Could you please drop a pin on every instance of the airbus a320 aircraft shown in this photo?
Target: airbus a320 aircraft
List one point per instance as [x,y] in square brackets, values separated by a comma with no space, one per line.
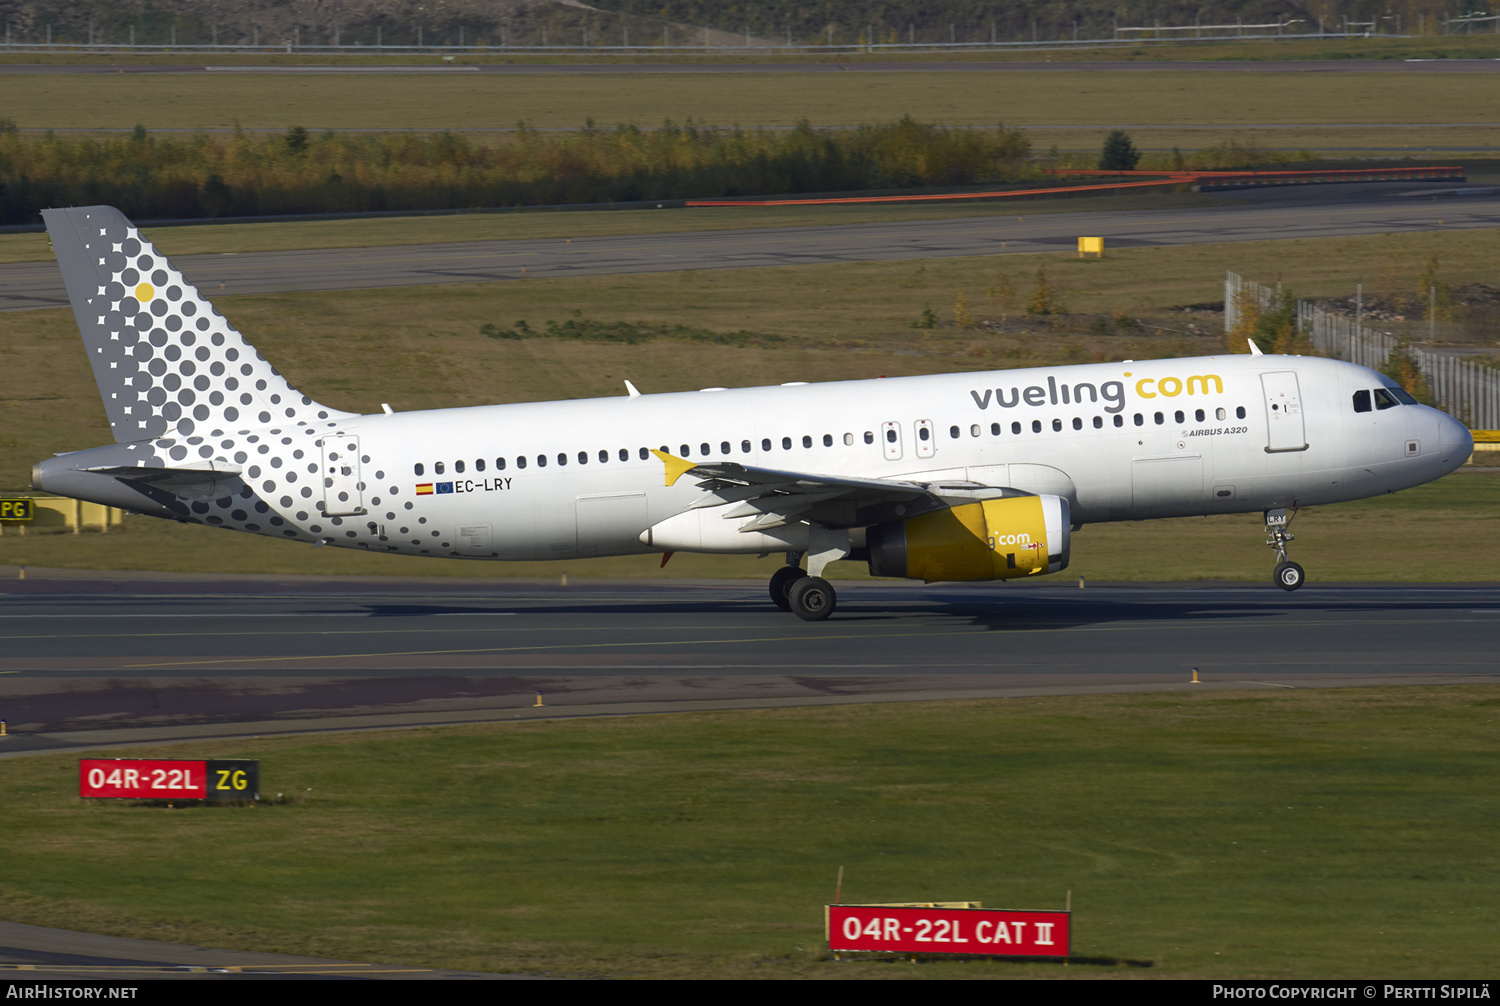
[954,477]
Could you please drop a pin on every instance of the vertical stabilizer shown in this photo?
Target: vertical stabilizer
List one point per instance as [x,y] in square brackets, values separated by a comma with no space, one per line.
[165,360]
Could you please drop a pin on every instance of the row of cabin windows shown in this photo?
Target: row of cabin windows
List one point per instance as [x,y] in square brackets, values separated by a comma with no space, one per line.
[727,447]
[1159,419]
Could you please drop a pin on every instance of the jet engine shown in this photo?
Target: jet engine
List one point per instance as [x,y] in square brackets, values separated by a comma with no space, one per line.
[996,539]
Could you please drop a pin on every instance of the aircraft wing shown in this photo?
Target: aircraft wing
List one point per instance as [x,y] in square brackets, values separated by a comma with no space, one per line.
[771,497]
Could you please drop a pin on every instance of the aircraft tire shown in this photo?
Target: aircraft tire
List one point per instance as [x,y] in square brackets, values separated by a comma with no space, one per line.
[812,598]
[781,582]
[1288,575]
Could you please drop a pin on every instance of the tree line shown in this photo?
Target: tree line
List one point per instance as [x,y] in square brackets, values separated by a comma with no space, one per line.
[242,174]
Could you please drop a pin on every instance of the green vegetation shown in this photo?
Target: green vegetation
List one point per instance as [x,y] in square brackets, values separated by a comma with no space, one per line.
[1119,153]
[1232,834]
[243,175]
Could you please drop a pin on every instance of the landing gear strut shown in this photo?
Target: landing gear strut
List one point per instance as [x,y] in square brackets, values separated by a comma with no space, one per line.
[1287,575]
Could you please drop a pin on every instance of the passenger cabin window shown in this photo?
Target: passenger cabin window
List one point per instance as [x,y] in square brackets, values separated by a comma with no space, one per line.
[417,468]
[744,447]
[828,440]
[583,457]
[1015,428]
[479,464]
[807,441]
[624,454]
[604,457]
[1177,418]
[541,461]
[1160,419]
[1099,422]
[1119,420]
[1198,415]
[869,437]
[1036,426]
[724,447]
[952,432]
[645,453]
[437,468]
[890,436]
[458,466]
[499,464]
[994,429]
[521,461]
[1239,413]
[786,443]
[765,445]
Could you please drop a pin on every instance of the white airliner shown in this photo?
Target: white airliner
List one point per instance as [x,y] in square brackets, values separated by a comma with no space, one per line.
[955,477]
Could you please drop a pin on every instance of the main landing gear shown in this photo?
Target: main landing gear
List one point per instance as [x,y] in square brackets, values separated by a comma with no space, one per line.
[810,598]
[1287,575]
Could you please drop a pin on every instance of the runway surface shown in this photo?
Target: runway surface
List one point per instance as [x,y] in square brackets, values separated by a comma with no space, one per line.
[1306,212]
[88,662]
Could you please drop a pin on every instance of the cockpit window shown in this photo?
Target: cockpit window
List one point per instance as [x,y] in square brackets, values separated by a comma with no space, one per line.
[1403,396]
[1385,400]
[1361,401]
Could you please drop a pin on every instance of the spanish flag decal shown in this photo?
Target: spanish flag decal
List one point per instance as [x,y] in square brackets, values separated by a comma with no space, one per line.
[425,489]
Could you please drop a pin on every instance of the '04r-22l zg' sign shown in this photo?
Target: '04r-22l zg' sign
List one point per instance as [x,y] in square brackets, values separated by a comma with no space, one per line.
[168,779]
[973,931]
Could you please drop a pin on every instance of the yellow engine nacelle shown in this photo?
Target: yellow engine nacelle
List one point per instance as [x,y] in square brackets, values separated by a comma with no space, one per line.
[989,540]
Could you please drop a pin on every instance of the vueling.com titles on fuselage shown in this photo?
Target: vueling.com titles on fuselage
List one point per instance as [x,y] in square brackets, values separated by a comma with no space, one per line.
[1112,392]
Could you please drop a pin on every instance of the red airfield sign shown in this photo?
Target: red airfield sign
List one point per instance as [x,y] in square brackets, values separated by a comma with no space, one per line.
[976,931]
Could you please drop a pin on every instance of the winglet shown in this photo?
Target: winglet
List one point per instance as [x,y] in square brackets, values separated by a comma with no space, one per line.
[675,466]
[630,389]
[1254,349]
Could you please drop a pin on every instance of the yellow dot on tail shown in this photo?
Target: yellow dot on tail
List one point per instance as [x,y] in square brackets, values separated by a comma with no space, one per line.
[144,293]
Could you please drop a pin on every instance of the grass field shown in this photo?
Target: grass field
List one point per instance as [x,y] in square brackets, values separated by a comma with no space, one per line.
[1099,99]
[1213,834]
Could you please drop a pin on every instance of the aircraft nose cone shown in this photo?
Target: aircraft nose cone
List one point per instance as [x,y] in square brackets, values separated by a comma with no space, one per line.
[1457,441]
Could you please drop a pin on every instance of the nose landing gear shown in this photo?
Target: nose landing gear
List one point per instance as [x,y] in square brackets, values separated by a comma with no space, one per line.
[1287,575]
